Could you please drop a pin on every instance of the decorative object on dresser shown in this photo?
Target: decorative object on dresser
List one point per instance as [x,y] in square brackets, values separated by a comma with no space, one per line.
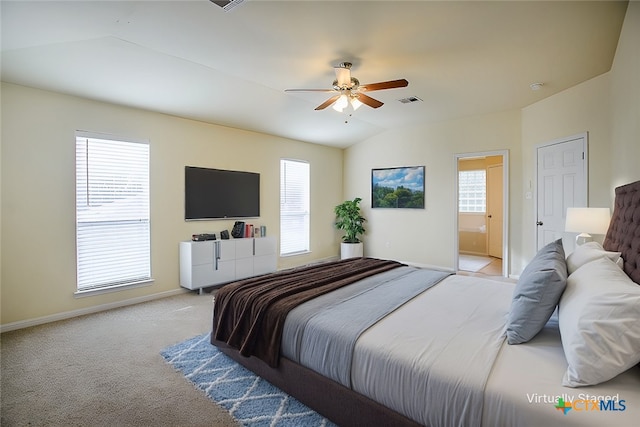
[202,237]
[215,262]
[238,229]
[350,220]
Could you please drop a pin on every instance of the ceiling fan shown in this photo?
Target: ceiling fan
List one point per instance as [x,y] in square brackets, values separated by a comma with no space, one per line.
[349,90]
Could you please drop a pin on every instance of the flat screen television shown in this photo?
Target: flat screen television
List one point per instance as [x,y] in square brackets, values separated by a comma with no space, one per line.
[218,194]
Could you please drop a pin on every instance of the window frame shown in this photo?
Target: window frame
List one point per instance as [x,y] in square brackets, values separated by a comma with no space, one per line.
[302,214]
[472,194]
[133,216]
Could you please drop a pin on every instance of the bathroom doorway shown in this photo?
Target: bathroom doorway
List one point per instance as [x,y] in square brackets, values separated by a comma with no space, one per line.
[481,215]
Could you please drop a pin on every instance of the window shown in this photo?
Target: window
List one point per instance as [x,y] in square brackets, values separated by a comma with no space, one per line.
[472,191]
[112,212]
[294,207]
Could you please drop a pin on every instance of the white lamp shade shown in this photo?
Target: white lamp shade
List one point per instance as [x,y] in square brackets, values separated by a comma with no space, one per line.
[587,220]
[341,103]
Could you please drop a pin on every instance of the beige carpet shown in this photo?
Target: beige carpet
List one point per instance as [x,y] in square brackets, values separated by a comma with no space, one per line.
[105,369]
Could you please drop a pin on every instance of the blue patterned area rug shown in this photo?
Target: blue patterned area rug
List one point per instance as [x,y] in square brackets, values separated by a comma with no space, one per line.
[252,401]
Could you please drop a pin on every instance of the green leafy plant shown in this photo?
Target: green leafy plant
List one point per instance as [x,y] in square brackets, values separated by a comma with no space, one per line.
[350,220]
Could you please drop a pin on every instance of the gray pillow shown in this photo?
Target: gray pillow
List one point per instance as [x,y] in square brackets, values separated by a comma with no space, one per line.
[537,293]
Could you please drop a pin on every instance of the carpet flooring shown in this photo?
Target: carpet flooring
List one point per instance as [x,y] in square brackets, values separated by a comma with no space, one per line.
[105,369]
[252,401]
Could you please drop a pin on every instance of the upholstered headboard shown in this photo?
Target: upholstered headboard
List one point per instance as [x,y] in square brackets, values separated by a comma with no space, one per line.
[624,231]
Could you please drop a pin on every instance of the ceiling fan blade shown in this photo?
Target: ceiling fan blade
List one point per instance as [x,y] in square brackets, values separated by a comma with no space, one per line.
[373,103]
[391,84]
[310,90]
[328,102]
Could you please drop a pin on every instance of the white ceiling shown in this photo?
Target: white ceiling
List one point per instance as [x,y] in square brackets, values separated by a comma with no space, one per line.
[193,59]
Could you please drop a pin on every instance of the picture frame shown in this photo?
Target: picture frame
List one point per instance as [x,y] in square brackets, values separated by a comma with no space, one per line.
[398,187]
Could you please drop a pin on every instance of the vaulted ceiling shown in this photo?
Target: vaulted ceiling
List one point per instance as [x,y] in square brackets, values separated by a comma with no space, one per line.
[193,59]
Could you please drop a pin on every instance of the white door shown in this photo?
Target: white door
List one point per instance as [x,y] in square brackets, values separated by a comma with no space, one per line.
[494,210]
[561,184]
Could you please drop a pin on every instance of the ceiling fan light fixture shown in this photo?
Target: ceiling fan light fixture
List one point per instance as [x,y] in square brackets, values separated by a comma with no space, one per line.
[341,103]
[343,76]
[347,90]
[355,103]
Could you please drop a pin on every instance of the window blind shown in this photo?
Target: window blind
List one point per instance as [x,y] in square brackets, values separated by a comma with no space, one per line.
[294,207]
[112,212]
[472,191]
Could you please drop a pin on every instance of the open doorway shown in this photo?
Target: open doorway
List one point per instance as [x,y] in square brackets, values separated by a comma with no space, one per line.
[481,213]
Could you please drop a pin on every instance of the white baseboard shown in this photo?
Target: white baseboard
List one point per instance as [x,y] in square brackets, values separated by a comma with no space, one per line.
[89,310]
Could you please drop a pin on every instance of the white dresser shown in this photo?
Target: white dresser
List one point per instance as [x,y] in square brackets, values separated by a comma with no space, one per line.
[214,262]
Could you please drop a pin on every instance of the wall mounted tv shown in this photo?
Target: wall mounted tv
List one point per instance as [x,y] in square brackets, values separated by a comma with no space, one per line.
[218,194]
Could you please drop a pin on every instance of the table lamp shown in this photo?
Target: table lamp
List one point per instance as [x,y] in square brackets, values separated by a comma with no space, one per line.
[585,221]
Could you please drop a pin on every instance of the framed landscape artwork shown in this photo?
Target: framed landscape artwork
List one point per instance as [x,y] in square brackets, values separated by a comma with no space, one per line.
[401,187]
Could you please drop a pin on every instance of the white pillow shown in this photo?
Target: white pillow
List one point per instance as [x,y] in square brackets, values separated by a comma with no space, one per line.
[599,318]
[587,253]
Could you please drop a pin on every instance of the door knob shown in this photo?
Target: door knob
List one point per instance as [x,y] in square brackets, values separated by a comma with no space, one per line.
[489,216]
[539,223]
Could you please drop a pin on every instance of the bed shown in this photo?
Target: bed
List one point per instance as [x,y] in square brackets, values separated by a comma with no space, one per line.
[374,342]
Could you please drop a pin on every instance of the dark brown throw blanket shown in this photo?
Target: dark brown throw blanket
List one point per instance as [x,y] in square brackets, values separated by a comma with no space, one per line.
[249,315]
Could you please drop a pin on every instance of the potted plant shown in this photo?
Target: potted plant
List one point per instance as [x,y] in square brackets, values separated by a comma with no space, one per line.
[350,220]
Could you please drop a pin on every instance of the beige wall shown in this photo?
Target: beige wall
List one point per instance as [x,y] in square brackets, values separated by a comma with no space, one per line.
[37,204]
[472,242]
[625,101]
[427,236]
[478,163]
[38,199]
[608,108]
[583,108]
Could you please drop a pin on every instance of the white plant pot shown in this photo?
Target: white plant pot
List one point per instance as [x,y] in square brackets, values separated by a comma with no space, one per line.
[351,250]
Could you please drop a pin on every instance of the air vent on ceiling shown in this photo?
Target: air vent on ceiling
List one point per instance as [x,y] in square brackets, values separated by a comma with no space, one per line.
[409,99]
[227,5]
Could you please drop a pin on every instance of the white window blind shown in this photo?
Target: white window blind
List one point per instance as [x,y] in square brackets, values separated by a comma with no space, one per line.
[112,212]
[472,190]
[294,207]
